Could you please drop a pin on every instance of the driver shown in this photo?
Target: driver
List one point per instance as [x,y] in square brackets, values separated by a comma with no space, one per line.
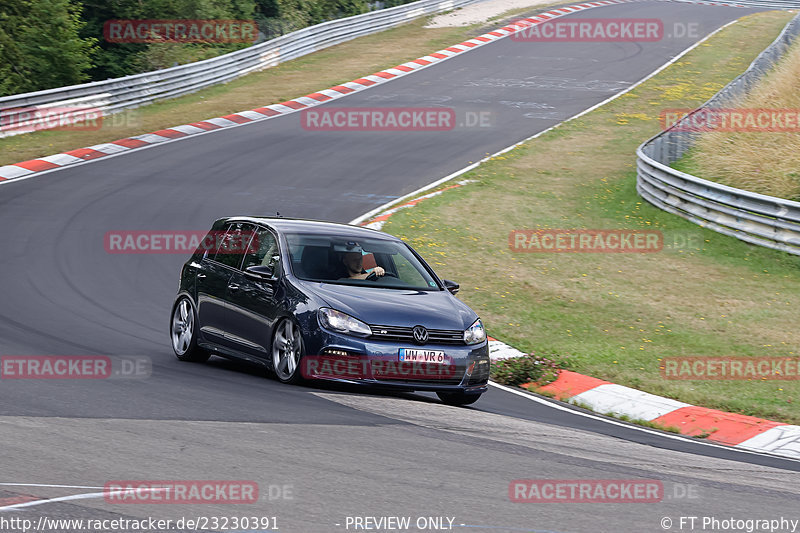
[353,261]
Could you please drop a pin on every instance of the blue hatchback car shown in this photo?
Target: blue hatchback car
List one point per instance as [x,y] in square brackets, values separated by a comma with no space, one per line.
[323,301]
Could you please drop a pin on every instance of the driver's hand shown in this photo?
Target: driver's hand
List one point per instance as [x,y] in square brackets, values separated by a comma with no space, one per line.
[379,271]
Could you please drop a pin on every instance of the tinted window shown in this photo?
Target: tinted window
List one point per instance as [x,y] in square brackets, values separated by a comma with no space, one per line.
[263,251]
[232,246]
[407,272]
[322,258]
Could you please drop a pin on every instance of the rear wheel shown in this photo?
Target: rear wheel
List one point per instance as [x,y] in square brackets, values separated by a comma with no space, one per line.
[287,351]
[184,333]
[457,398]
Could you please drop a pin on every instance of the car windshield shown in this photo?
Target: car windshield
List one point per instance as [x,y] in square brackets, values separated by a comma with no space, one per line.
[348,260]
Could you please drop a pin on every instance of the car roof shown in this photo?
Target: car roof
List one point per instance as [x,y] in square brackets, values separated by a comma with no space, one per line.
[320,227]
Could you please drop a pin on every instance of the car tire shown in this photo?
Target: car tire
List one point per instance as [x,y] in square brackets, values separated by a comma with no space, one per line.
[287,352]
[457,398]
[183,332]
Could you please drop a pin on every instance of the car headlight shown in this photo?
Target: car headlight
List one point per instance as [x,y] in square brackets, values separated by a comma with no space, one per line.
[338,321]
[475,333]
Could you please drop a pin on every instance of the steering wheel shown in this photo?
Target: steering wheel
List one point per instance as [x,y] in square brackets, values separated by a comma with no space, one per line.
[373,276]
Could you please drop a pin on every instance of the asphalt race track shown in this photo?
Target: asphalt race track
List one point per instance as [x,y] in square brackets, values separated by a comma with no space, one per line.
[322,454]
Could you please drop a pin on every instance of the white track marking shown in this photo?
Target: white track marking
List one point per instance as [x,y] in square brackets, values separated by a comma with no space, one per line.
[47,486]
[53,500]
[630,426]
[85,496]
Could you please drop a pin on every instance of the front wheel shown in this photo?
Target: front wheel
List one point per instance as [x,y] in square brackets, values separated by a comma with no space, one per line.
[287,351]
[457,398]
[184,333]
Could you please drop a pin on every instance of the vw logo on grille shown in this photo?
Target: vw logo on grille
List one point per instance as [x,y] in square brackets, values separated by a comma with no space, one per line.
[420,334]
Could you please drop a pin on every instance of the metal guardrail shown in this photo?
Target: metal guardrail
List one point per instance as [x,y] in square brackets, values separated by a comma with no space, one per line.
[751,217]
[18,113]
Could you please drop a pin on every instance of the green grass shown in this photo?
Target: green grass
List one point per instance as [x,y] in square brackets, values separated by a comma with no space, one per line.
[617,315]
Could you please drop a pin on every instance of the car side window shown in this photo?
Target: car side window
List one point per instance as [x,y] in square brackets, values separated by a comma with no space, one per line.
[232,246]
[406,272]
[263,251]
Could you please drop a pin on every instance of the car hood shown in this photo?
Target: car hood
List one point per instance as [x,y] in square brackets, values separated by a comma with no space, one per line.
[393,307]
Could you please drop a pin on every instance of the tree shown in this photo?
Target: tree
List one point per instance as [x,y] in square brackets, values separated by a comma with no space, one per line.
[40,45]
[121,59]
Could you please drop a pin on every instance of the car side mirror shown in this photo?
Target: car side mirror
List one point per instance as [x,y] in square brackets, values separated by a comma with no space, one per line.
[259,272]
[451,286]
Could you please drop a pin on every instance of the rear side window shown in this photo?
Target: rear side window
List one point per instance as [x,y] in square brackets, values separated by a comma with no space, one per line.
[232,246]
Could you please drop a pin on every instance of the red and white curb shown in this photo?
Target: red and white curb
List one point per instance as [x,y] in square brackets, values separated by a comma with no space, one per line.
[378,221]
[741,431]
[29,168]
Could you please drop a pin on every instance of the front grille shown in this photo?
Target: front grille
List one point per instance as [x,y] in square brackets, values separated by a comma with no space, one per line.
[401,334]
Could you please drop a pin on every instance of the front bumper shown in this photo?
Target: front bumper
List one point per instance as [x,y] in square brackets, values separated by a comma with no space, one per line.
[358,361]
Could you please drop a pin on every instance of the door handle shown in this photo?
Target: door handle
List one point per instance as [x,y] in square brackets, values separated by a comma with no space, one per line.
[201,276]
[233,287]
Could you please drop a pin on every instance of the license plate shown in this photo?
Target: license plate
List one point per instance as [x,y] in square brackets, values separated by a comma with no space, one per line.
[422,356]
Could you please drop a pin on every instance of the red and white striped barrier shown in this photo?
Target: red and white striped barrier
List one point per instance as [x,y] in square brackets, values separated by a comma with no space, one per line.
[604,397]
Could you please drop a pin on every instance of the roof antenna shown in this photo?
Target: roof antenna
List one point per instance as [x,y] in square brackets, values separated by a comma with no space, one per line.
[277,214]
